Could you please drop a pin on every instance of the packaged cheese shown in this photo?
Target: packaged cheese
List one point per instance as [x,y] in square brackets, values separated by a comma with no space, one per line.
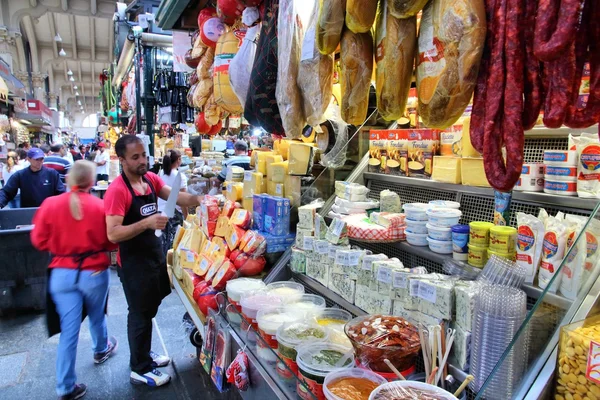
[298,261]
[451,141]
[447,169]
[300,159]
[306,215]
[320,227]
[588,167]
[225,273]
[253,182]
[351,191]
[234,236]
[530,234]
[275,189]
[553,250]
[423,145]
[473,173]
[575,253]
[279,171]
[378,150]
[228,208]
[293,189]
[222,226]
[337,232]
[389,202]
[276,214]
[270,160]
[234,191]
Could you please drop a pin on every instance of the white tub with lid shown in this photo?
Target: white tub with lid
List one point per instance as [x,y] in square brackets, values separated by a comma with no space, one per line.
[416,211]
[440,246]
[400,389]
[310,305]
[439,232]
[359,373]
[269,320]
[416,239]
[416,226]
[444,204]
[444,217]
[287,290]
[253,302]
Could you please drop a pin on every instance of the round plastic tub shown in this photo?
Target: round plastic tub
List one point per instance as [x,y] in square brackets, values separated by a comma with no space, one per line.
[560,188]
[503,238]
[351,377]
[287,290]
[416,226]
[289,337]
[477,256]
[416,239]
[416,211]
[440,246]
[401,390]
[439,232]
[444,204]
[253,302]
[235,289]
[444,217]
[512,256]
[315,361]
[334,320]
[460,239]
[479,233]
[309,305]
[269,320]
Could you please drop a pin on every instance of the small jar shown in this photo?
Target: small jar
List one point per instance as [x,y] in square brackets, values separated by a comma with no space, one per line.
[460,241]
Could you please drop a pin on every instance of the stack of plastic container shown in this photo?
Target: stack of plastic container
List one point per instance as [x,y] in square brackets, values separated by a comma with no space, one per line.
[441,216]
[479,241]
[561,172]
[499,312]
[503,242]
[416,223]
[503,272]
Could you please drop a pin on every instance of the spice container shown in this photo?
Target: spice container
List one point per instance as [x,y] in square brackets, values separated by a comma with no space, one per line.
[460,241]
[477,256]
[315,361]
[290,336]
[352,383]
[577,367]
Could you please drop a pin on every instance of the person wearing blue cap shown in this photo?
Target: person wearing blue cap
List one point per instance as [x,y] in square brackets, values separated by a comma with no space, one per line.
[36,182]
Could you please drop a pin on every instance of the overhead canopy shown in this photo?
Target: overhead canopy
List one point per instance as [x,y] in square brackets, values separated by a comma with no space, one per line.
[3,91]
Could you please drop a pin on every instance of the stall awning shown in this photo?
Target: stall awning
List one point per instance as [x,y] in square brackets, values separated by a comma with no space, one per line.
[3,91]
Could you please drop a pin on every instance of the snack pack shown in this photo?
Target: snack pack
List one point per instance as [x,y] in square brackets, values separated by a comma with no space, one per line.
[553,250]
[530,236]
[588,167]
[576,252]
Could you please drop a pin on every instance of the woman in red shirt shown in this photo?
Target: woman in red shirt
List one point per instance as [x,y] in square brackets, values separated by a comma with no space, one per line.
[72,227]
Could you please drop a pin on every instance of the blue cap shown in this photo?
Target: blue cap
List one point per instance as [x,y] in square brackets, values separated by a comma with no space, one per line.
[35,153]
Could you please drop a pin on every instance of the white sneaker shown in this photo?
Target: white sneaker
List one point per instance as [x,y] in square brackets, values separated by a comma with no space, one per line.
[153,378]
[159,360]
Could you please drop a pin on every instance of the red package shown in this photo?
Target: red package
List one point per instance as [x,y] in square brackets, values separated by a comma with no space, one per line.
[234,254]
[237,372]
[255,246]
[240,260]
[241,218]
[228,208]
[225,273]
[252,266]
[210,209]
[207,300]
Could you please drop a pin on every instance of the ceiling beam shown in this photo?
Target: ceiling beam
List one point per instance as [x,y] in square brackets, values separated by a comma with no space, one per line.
[93,37]
[30,32]
[94,7]
[73,34]
[81,80]
[93,91]
[111,39]
[64,4]
[52,26]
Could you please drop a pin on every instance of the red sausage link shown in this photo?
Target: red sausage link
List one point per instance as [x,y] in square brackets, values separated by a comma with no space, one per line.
[534,93]
[561,88]
[553,38]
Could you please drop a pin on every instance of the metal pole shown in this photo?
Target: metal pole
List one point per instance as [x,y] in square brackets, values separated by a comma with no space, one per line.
[138,100]
[148,99]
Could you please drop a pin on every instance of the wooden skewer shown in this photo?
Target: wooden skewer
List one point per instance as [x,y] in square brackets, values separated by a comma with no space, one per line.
[394,369]
[462,387]
[434,352]
[424,350]
[432,376]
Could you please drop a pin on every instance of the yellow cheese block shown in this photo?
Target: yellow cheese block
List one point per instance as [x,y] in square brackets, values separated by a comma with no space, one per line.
[248,204]
[262,167]
[253,183]
[222,226]
[270,160]
[301,159]
[292,189]
[279,171]
[221,245]
[446,169]
[234,191]
[473,173]
[275,189]
[188,258]
[196,239]
[282,147]
[178,236]
[467,148]
[206,246]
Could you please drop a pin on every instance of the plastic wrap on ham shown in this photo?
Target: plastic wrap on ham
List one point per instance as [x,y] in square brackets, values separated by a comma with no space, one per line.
[240,67]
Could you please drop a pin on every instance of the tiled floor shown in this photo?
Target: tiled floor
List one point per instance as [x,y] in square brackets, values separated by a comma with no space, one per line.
[28,356]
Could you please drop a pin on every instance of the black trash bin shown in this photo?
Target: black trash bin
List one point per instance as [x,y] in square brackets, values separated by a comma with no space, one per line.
[22,267]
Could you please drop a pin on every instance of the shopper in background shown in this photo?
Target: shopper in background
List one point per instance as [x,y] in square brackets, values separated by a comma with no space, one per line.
[45,148]
[22,158]
[9,169]
[56,160]
[131,219]
[91,151]
[36,182]
[102,159]
[241,159]
[78,276]
[170,169]
[82,155]
[73,151]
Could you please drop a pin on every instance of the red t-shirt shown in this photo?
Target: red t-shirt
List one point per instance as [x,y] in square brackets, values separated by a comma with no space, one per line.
[117,199]
[59,233]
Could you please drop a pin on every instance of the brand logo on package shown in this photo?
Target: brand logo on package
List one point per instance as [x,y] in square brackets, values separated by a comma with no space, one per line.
[550,246]
[592,372]
[148,209]
[525,238]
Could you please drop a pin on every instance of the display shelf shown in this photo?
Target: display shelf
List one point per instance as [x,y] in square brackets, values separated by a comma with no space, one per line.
[188,306]
[534,197]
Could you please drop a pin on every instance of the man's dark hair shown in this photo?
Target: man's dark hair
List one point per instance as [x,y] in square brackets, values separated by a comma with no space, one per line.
[240,145]
[45,148]
[123,142]
[21,145]
[55,148]
[22,153]
[81,147]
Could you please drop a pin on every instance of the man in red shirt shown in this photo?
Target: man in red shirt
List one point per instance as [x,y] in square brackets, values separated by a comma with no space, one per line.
[131,218]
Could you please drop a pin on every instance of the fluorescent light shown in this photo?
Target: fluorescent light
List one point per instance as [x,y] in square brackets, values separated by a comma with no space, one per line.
[257,131]
[75,87]
[62,52]
[24,121]
[72,79]
[57,38]
[79,102]
[69,72]
[76,93]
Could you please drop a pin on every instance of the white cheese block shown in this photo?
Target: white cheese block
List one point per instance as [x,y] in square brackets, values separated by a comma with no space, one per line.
[385,278]
[337,233]
[306,216]
[361,297]
[460,355]
[298,261]
[389,202]
[319,271]
[348,262]
[343,285]
[374,284]
[401,290]
[464,296]
[300,234]
[320,227]
[436,298]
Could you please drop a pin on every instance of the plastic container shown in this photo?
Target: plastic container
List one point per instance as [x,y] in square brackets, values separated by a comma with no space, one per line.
[416,211]
[560,188]
[315,361]
[354,373]
[409,390]
[460,239]
[287,290]
[269,319]
[308,304]
[461,270]
[335,319]
[556,173]
[289,337]
[479,233]
[416,239]
[445,217]
[503,239]
[253,302]
[440,246]
[561,158]
[444,204]
[439,232]
[416,226]
[235,289]
[477,256]
[512,256]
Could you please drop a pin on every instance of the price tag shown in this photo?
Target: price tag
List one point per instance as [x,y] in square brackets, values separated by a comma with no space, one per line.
[347,192]
[279,189]
[190,256]
[308,45]
[338,226]
[400,280]
[342,258]
[317,226]
[332,251]
[384,275]
[414,288]
[321,246]
[211,163]
[427,292]
[354,258]
[204,265]
[307,243]
[367,264]
[247,176]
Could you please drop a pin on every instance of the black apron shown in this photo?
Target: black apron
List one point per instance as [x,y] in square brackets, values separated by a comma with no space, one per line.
[143,270]
[52,317]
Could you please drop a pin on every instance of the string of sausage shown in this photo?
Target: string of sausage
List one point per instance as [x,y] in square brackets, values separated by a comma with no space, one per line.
[555,28]
[534,91]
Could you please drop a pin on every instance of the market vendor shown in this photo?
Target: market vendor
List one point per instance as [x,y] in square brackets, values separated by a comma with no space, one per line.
[241,159]
[35,182]
[132,218]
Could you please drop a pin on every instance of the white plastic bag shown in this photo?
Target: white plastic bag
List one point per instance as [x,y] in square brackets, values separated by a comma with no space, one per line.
[336,157]
[572,270]
[555,241]
[529,244]
[241,65]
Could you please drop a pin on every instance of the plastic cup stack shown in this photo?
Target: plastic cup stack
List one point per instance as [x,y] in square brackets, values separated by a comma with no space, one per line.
[499,312]
[503,272]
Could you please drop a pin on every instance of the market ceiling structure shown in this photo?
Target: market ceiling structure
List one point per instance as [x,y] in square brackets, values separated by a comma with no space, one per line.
[84,28]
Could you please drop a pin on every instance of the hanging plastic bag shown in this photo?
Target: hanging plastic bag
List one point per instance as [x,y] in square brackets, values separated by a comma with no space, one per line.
[227,46]
[336,157]
[237,372]
[240,67]
[315,76]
